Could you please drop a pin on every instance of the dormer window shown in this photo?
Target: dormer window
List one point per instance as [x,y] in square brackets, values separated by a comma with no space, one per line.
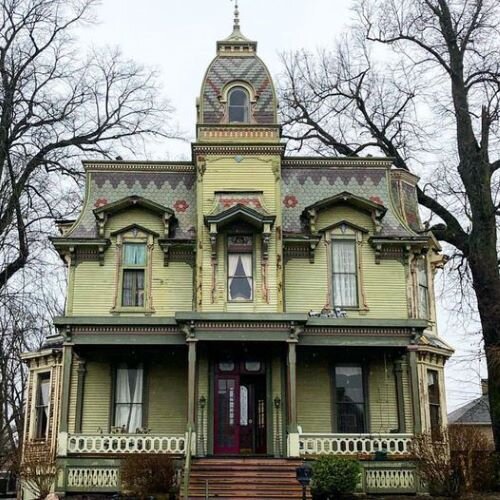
[239,105]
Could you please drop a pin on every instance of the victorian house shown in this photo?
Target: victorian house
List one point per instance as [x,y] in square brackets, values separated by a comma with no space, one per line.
[243,311]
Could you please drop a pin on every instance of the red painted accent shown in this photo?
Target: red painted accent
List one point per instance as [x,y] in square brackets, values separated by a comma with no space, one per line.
[290,201]
[100,202]
[181,205]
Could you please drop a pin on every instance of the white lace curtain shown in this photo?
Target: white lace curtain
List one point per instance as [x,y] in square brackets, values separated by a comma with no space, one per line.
[128,407]
[240,276]
[345,293]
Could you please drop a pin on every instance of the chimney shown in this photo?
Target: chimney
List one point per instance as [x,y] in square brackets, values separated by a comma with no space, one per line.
[484,386]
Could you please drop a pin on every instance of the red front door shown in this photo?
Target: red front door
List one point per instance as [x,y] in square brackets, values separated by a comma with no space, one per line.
[240,409]
[227,414]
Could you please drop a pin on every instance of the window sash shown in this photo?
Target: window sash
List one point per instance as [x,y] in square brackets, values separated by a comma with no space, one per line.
[42,406]
[238,106]
[134,255]
[350,402]
[344,273]
[240,276]
[423,289]
[129,397]
[133,287]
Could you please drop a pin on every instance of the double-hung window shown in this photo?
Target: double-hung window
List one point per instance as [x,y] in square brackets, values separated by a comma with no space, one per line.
[129,391]
[434,403]
[240,268]
[344,273]
[423,289]
[134,274]
[349,399]
[42,405]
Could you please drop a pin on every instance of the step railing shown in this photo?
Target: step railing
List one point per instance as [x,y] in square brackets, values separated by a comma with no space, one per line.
[126,443]
[354,444]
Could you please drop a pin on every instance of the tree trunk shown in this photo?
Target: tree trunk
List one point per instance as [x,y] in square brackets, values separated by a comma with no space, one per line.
[487,287]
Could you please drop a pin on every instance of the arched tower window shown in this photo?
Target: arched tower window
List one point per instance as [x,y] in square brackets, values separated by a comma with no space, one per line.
[238,105]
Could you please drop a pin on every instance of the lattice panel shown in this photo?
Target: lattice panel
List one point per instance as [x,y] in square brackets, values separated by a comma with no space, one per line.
[92,477]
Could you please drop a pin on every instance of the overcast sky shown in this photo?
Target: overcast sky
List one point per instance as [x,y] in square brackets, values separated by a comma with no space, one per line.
[178,38]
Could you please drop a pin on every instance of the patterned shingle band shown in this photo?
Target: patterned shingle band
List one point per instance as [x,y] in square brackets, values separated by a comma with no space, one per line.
[224,70]
[302,187]
[170,189]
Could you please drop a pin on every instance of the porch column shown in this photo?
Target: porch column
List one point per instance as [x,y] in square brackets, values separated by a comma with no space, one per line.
[293,432]
[415,393]
[66,382]
[80,383]
[292,387]
[191,383]
[398,373]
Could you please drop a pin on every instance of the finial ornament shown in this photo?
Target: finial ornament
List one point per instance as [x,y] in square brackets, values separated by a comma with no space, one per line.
[236,15]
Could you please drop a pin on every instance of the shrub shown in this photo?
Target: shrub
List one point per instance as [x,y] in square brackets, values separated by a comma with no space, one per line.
[458,463]
[333,476]
[144,475]
[38,472]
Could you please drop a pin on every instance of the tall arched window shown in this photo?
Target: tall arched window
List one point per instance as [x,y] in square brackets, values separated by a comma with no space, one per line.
[238,105]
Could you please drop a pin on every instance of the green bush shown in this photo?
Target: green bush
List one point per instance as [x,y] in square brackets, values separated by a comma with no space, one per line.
[334,476]
[144,475]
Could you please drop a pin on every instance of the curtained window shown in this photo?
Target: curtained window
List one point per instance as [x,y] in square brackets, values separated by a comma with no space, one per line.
[134,273]
[344,270]
[434,403]
[423,289]
[240,268]
[129,397]
[42,405]
[238,105]
[350,399]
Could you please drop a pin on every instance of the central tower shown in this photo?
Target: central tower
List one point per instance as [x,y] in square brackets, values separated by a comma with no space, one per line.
[238,156]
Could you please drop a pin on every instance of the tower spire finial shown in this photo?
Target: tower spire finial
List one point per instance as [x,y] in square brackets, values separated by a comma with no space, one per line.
[236,25]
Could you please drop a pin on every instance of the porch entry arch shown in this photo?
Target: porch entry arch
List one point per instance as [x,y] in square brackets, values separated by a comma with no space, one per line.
[240,406]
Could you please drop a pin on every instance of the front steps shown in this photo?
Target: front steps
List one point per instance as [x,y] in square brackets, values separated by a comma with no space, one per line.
[245,479]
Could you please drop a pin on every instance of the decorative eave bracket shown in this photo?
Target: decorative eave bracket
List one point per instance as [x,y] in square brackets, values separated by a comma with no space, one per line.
[391,248]
[73,248]
[178,251]
[301,247]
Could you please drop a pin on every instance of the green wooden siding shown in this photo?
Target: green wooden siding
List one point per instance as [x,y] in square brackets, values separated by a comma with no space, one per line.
[96,398]
[172,285]
[315,393]
[382,398]
[167,396]
[384,284]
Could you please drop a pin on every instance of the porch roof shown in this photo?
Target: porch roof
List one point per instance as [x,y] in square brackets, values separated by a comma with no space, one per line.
[259,327]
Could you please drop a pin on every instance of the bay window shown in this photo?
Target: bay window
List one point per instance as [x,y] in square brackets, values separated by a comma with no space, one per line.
[344,273]
[129,395]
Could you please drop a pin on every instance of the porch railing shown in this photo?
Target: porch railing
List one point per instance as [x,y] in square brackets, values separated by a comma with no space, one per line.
[354,444]
[126,443]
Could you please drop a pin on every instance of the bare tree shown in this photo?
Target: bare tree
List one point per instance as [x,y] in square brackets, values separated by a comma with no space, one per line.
[419,81]
[58,103]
